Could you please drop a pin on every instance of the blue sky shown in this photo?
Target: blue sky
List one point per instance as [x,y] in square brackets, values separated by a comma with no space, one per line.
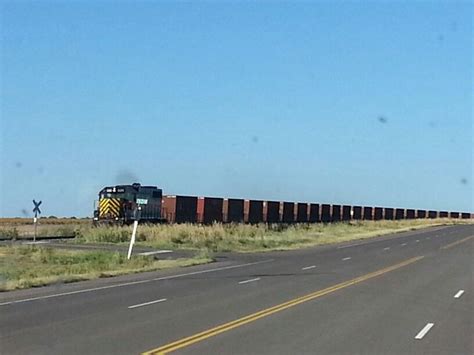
[338,102]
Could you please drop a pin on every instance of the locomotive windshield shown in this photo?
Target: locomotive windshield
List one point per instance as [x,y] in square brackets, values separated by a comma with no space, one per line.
[124,193]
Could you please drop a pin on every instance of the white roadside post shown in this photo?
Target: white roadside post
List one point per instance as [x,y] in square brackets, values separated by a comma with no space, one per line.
[35,221]
[134,232]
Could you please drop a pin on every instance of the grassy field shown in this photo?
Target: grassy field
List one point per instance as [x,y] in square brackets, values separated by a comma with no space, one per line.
[248,238]
[30,266]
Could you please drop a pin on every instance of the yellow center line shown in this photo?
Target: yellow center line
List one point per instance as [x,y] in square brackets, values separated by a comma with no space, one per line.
[447,246]
[184,342]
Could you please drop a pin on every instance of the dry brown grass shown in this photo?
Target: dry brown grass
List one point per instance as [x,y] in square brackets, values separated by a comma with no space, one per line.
[43,220]
[244,237]
[24,227]
[223,237]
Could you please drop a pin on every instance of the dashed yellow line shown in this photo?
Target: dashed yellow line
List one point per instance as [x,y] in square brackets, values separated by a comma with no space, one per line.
[184,342]
[447,246]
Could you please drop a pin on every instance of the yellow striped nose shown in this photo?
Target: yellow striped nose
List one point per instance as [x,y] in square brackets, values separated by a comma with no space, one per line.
[109,208]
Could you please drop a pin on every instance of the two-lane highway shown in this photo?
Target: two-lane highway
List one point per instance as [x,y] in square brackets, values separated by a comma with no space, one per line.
[399,294]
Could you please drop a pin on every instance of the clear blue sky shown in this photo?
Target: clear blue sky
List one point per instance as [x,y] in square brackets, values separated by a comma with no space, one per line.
[357,103]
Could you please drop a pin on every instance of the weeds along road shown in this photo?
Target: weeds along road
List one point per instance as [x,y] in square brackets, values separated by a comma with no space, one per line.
[409,293]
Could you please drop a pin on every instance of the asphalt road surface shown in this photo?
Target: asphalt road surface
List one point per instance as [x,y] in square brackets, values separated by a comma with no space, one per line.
[409,293]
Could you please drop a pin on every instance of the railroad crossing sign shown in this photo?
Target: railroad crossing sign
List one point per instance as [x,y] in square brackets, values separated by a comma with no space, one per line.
[36,210]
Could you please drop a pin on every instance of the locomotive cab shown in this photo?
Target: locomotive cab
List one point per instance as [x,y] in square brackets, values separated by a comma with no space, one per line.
[118,203]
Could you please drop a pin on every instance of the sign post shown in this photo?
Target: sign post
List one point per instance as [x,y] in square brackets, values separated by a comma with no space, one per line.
[37,211]
[136,215]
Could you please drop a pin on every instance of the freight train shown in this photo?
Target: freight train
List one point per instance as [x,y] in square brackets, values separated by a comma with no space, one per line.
[119,204]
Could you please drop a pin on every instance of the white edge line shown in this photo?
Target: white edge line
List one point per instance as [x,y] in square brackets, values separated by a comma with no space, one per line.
[147,303]
[134,282]
[380,240]
[147,253]
[353,245]
[308,267]
[348,258]
[251,280]
[459,294]
[425,330]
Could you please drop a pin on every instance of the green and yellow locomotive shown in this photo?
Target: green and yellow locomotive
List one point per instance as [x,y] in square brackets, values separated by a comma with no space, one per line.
[119,204]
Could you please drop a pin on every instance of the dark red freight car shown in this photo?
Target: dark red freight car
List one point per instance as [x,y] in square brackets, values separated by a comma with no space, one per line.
[234,210]
[336,213]
[368,213]
[357,212]
[399,213]
[410,214]
[420,214]
[389,213]
[325,213]
[302,212]
[346,213]
[179,209]
[254,211]
[209,210]
[432,214]
[378,213]
[314,213]
[288,212]
[273,212]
